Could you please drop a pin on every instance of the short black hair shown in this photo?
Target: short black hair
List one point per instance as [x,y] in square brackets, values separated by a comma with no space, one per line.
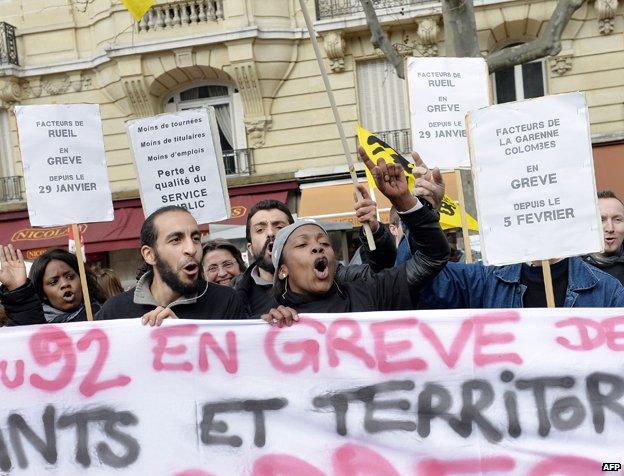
[609,194]
[266,205]
[149,235]
[39,266]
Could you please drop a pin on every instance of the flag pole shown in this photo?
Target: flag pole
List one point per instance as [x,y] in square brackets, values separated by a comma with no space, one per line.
[330,94]
[462,216]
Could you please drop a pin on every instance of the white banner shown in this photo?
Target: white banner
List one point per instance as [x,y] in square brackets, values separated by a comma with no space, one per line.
[441,91]
[534,179]
[178,161]
[513,392]
[64,164]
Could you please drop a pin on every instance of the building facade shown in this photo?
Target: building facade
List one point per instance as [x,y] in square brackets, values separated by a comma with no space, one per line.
[253,61]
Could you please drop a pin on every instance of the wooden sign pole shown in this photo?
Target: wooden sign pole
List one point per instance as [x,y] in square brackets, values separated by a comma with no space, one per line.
[548,284]
[83,274]
[330,94]
[463,217]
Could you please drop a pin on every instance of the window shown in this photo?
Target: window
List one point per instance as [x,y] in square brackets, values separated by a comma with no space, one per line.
[520,82]
[229,114]
[383,104]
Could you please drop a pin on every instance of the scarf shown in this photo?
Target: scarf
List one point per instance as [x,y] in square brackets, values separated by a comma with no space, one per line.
[602,261]
[52,314]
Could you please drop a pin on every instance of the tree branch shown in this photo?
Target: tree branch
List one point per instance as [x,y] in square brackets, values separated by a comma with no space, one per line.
[380,40]
[460,29]
[548,43]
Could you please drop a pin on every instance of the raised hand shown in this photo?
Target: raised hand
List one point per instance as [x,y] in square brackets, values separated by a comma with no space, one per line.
[428,184]
[366,209]
[390,181]
[12,268]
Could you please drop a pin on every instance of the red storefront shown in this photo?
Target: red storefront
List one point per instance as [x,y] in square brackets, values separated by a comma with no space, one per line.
[116,244]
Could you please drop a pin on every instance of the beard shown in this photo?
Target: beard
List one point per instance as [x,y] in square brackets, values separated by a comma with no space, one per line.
[169,276]
[262,260]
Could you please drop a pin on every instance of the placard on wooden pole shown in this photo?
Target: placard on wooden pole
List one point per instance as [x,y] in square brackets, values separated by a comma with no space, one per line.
[462,216]
[83,273]
[548,284]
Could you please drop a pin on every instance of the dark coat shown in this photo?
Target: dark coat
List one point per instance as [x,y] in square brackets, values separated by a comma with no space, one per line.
[259,298]
[23,306]
[216,302]
[390,289]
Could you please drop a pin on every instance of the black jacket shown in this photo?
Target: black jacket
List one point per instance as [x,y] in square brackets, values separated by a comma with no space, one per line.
[390,289]
[214,302]
[259,298]
[614,267]
[23,306]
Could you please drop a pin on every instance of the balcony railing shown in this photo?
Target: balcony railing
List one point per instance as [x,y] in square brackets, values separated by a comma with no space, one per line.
[10,188]
[8,46]
[399,139]
[238,162]
[180,14]
[340,8]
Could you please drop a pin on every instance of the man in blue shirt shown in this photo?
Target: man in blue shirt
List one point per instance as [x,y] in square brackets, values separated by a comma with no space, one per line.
[460,285]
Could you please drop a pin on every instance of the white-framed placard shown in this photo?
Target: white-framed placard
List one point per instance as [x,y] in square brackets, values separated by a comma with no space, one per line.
[533,172]
[179,162]
[441,91]
[65,174]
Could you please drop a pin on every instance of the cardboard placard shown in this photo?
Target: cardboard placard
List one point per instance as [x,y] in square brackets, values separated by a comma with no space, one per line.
[441,91]
[64,164]
[179,162]
[534,179]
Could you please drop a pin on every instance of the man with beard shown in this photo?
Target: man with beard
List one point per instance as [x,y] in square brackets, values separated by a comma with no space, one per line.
[172,285]
[267,217]
[611,260]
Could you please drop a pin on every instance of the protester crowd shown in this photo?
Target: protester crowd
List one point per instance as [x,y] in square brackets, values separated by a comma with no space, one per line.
[294,268]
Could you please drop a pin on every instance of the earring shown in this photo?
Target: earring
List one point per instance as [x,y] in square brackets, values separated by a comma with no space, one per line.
[285,289]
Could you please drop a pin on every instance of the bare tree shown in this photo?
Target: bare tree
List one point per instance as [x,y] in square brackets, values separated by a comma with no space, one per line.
[460,35]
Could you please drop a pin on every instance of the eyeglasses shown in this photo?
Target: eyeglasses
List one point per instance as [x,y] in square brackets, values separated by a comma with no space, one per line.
[226,266]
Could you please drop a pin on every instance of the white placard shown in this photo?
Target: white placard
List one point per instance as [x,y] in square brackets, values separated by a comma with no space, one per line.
[441,91]
[178,161]
[64,164]
[460,392]
[534,179]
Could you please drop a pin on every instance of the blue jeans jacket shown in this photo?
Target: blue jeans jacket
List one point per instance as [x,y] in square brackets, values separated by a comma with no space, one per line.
[403,252]
[473,286]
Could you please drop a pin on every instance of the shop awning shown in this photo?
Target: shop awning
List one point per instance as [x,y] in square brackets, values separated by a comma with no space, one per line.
[121,233]
[243,198]
[333,201]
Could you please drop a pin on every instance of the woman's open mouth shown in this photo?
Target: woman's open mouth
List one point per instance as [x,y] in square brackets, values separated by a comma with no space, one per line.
[68,296]
[321,268]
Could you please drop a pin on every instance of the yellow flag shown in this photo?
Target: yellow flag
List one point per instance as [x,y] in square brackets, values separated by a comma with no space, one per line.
[450,215]
[377,149]
[138,8]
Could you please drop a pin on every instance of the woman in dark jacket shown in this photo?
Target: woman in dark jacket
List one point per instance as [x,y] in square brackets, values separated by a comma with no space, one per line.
[53,293]
[305,279]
